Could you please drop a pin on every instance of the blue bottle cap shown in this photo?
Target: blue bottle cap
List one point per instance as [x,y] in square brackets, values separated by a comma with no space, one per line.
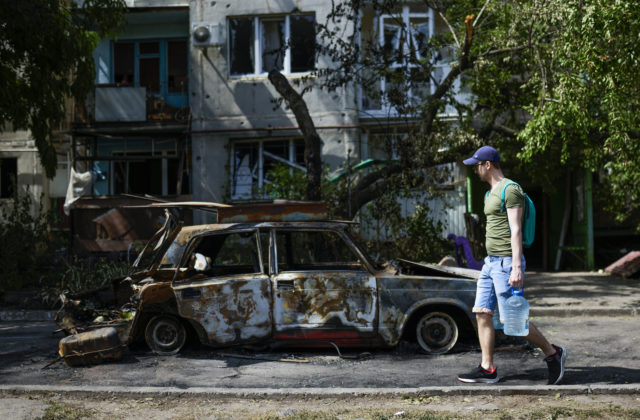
[517,292]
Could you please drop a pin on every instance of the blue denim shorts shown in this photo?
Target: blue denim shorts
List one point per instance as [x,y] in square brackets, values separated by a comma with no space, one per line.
[493,284]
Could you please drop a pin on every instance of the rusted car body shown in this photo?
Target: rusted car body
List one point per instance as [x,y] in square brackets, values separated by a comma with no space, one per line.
[299,283]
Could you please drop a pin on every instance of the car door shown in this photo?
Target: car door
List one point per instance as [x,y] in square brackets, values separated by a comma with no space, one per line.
[322,291]
[225,288]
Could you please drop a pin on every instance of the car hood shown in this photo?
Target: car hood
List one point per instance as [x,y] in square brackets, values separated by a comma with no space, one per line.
[426,269]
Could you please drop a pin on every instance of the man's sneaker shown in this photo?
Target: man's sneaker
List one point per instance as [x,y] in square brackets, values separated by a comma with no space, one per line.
[480,375]
[555,363]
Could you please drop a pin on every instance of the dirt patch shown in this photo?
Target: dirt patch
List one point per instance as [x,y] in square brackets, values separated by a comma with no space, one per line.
[370,407]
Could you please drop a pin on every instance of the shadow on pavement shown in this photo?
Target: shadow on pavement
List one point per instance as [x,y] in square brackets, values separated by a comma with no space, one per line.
[580,375]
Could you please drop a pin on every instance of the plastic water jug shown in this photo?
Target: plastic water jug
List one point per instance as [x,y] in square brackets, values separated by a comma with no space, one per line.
[497,324]
[516,315]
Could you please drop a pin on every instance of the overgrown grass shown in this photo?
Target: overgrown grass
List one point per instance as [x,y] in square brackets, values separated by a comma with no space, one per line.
[67,412]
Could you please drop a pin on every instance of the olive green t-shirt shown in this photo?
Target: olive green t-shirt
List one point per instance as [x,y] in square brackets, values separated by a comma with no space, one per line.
[498,237]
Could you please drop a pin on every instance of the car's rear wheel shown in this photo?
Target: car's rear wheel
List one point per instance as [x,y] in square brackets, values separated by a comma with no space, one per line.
[436,333]
[165,335]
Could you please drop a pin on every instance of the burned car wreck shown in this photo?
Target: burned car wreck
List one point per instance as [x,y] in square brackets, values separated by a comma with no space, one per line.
[274,275]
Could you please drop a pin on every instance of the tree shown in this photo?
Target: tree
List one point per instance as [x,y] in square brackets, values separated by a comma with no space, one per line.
[553,84]
[46,49]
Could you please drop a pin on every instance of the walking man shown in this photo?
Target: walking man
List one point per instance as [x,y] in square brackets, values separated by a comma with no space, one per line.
[503,269]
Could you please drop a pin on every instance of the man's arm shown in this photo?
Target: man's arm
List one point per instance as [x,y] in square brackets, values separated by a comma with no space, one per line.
[515,224]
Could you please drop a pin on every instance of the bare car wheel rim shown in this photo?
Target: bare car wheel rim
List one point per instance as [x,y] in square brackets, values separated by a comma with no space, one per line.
[436,332]
[165,334]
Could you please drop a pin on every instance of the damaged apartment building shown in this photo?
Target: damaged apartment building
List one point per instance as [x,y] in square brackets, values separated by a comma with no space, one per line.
[183,109]
[238,134]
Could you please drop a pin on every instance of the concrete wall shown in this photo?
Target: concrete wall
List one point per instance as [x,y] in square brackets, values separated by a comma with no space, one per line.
[226,108]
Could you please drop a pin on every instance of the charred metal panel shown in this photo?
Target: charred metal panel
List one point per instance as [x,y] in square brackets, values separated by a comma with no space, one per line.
[325,300]
[155,293]
[230,310]
[91,347]
[400,296]
[301,211]
[424,269]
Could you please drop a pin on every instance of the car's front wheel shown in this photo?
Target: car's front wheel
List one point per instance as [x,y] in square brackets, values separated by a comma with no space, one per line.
[436,333]
[165,335]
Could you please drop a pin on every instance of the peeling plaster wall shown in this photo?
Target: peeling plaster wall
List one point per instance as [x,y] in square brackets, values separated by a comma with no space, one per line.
[225,108]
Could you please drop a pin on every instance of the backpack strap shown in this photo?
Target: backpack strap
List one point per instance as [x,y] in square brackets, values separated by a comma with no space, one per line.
[502,203]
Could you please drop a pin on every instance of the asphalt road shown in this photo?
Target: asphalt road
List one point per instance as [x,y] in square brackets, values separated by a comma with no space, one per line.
[601,351]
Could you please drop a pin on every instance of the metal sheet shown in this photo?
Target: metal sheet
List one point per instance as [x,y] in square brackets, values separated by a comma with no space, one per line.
[231,311]
[331,301]
[296,211]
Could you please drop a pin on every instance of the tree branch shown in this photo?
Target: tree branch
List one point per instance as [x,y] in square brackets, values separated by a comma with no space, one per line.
[312,141]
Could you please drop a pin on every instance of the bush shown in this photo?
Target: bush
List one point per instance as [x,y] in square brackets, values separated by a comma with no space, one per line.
[28,247]
[33,257]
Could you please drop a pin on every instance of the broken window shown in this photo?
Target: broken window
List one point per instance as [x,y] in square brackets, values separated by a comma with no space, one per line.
[303,43]
[404,40]
[226,254]
[314,249]
[123,63]
[177,66]
[241,45]
[252,161]
[159,66]
[141,166]
[8,177]
[286,43]
[272,46]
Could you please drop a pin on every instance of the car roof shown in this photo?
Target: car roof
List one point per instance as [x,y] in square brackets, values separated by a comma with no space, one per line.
[213,227]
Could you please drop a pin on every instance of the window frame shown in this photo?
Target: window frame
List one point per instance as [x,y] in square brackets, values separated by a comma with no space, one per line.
[171,96]
[257,22]
[261,155]
[362,264]
[385,108]
[191,248]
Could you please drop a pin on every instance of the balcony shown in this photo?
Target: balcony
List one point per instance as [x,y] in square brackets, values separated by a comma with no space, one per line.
[120,104]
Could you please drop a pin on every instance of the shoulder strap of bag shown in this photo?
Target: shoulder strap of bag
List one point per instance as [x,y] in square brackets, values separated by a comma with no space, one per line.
[504,189]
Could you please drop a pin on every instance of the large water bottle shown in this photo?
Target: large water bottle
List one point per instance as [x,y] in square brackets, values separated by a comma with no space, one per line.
[497,324]
[516,315]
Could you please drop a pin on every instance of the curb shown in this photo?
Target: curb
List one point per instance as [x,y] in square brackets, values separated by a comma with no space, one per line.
[622,389]
[27,315]
[571,312]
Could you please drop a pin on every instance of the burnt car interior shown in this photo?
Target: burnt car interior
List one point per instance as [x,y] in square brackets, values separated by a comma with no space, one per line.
[313,250]
[225,254]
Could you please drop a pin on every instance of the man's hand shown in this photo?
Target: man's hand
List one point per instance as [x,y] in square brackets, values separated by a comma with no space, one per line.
[515,279]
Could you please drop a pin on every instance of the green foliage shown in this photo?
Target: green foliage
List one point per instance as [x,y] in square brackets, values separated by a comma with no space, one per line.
[554,86]
[415,237]
[81,276]
[46,49]
[31,255]
[390,235]
[284,182]
[27,243]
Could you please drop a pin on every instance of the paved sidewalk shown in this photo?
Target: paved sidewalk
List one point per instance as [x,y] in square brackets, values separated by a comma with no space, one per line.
[549,293]
[581,293]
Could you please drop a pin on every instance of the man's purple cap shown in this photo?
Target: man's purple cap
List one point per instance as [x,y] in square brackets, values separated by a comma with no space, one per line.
[482,154]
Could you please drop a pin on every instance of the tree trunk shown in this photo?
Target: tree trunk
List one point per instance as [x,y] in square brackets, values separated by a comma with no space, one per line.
[312,141]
